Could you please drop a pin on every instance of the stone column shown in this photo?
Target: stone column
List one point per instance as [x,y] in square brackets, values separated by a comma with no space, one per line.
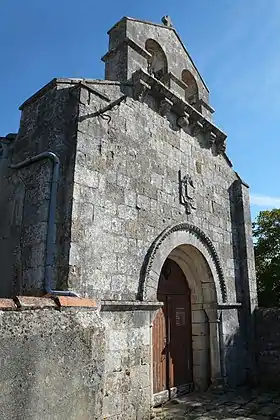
[200,347]
[214,338]
[243,224]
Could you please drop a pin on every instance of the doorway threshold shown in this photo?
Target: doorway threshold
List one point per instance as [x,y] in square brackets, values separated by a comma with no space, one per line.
[163,397]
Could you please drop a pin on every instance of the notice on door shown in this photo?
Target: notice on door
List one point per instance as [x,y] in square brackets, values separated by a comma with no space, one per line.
[180,317]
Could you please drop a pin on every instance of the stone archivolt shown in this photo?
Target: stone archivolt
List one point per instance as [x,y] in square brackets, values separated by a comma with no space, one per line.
[198,233]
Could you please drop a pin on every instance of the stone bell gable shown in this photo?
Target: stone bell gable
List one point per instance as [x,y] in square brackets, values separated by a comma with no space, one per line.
[158,50]
[154,59]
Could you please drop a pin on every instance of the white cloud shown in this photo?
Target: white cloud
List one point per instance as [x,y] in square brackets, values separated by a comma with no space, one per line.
[265,201]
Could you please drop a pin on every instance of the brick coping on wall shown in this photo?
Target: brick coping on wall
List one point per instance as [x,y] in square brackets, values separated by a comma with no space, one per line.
[51,302]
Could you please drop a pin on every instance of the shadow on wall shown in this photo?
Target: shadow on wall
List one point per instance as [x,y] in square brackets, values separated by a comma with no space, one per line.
[48,123]
[257,343]
[242,340]
[263,368]
[11,208]
[267,344]
[234,355]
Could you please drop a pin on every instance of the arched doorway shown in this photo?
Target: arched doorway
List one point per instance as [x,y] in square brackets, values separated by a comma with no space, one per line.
[172,335]
[196,256]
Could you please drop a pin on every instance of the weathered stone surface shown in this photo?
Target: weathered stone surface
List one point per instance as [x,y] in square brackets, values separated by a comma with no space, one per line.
[127,386]
[52,364]
[48,123]
[7,304]
[267,345]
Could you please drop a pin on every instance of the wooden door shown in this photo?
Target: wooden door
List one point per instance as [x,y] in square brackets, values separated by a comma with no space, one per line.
[172,337]
[180,342]
[160,350]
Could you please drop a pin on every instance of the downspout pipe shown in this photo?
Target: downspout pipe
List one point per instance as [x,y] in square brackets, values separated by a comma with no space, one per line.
[51,230]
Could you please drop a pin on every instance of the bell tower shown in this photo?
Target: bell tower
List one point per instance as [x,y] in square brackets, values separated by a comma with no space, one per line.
[156,49]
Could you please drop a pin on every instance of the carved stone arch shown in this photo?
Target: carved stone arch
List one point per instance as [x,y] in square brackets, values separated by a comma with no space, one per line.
[157,63]
[191,93]
[173,237]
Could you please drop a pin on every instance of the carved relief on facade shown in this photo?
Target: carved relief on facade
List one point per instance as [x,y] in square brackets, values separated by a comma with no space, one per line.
[187,192]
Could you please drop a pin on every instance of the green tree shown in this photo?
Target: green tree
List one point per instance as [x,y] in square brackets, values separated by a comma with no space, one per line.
[266,233]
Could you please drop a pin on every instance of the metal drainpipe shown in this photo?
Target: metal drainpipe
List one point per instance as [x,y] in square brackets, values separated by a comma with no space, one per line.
[51,244]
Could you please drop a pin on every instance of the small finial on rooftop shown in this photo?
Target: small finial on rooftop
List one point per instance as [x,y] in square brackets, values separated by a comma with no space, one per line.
[166,20]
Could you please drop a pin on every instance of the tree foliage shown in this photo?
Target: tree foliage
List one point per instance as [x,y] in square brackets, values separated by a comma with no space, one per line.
[266,233]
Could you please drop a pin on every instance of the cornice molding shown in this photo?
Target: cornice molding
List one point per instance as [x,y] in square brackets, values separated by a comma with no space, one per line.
[198,124]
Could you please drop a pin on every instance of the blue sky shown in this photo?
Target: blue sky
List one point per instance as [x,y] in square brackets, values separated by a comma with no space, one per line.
[234,43]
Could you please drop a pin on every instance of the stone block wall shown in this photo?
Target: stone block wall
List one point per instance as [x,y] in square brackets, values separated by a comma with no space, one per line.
[126,193]
[61,358]
[127,375]
[12,191]
[118,191]
[235,348]
[52,359]
[48,123]
[267,345]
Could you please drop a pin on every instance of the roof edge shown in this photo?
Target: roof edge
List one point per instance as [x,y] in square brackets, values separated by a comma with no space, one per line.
[68,81]
[42,91]
[193,63]
[241,180]
[147,22]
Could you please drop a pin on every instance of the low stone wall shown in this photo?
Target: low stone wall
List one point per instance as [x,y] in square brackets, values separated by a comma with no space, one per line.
[63,359]
[52,359]
[127,377]
[267,345]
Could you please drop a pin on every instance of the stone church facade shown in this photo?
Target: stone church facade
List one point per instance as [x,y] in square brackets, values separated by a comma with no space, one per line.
[120,190]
